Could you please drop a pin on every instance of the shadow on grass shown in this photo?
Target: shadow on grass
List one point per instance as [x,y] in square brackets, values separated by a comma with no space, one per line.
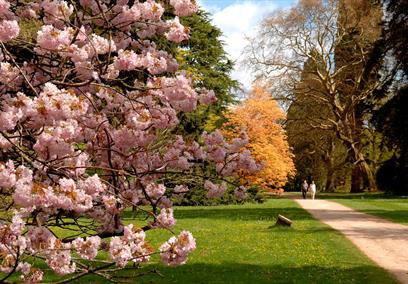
[245,214]
[344,195]
[232,213]
[365,195]
[399,216]
[248,273]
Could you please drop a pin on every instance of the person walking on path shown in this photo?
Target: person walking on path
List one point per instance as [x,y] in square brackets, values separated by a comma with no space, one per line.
[304,188]
[312,189]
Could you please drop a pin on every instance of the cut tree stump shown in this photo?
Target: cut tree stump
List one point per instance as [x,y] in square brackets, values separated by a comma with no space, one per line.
[282,220]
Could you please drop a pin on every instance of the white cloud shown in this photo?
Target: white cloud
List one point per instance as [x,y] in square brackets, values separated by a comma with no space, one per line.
[237,21]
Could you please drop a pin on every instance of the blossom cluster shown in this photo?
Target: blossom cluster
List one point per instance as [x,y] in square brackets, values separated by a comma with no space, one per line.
[130,247]
[175,251]
[215,190]
[88,106]
[229,157]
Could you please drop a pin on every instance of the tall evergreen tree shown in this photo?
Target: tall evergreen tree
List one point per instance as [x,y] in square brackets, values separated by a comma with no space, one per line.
[204,57]
[319,154]
[392,118]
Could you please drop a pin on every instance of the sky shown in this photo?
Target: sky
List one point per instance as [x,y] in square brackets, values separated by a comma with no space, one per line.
[238,19]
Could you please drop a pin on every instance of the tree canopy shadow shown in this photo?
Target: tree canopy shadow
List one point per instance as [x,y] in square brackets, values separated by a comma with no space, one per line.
[245,214]
[230,272]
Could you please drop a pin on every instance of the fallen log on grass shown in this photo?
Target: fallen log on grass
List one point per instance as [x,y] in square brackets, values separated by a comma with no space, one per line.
[284,221]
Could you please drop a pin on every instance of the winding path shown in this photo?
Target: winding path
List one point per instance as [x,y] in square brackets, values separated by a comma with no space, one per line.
[384,242]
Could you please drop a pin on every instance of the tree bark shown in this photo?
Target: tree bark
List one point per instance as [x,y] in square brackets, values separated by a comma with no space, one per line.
[329,181]
[330,167]
[362,177]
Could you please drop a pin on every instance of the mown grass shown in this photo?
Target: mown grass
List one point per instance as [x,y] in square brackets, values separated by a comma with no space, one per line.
[239,244]
[395,209]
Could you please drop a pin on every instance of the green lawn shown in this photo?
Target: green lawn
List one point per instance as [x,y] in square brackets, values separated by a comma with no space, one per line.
[236,244]
[395,209]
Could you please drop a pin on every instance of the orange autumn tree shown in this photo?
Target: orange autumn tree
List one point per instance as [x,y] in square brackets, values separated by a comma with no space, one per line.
[260,116]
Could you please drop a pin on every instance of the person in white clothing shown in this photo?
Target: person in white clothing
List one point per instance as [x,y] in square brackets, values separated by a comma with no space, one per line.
[312,189]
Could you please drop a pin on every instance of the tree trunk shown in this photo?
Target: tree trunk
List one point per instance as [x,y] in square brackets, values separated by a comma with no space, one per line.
[362,177]
[329,160]
[404,168]
[356,185]
[329,181]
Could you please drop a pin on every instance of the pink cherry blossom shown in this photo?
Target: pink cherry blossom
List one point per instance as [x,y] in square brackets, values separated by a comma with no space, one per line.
[56,11]
[207,97]
[4,6]
[240,193]
[165,219]
[175,251]
[214,190]
[88,248]
[87,121]
[184,7]
[155,191]
[8,30]
[176,31]
[7,174]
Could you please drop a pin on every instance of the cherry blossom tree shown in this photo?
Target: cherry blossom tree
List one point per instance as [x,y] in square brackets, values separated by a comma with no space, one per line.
[87,103]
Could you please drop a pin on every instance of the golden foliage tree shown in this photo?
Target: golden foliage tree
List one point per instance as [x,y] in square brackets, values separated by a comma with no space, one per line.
[260,117]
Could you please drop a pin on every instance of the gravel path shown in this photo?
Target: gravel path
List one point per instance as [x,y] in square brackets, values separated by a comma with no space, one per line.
[384,242]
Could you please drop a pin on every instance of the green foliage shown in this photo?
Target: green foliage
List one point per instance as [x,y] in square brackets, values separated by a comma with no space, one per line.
[197,196]
[390,177]
[203,56]
[392,118]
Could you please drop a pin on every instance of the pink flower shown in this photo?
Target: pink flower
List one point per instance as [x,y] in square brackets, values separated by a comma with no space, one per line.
[92,186]
[155,65]
[179,93]
[180,189]
[40,239]
[8,73]
[88,248]
[215,190]
[151,10]
[101,45]
[7,174]
[184,7]
[59,259]
[207,97]
[29,274]
[4,6]
[119,251]
[240,193]
[110,203]
[176,31]
[8,30]
[165,219]
[51,38]
[56,11]
[155,191]
[131,246]
[175,251]
[128,60]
